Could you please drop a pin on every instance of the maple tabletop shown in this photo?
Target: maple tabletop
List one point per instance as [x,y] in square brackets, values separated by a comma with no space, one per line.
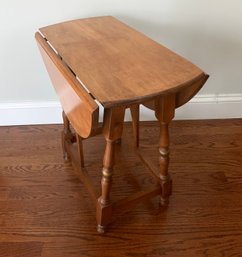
[118,64]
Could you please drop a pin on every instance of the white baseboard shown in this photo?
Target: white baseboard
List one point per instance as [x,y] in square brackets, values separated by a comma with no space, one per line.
[200,107]
[223,106]
[30,113]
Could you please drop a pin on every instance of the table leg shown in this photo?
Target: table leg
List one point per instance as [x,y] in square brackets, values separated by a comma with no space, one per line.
[135,122]
[66,134]
[80,150]
[113,126]
[164,110]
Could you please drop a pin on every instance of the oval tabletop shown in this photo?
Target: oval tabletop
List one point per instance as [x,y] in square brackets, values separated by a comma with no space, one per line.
[118,64]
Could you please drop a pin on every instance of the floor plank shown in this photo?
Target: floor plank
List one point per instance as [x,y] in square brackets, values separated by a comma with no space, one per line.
[45,210]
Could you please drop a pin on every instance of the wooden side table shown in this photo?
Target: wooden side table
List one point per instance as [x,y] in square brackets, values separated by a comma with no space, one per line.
[103,60]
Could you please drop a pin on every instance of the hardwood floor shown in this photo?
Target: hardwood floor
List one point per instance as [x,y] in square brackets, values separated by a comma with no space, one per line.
[45,211]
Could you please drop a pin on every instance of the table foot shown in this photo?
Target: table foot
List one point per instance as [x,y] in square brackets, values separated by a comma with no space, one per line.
[103,215]
[66,157]
[166,190]
[101,229]
[118,141]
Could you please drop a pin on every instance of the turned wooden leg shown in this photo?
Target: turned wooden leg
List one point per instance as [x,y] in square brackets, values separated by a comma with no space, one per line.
[164,110]
[135,123]
[104,203]
[113,126]
[80,150]
[165,179]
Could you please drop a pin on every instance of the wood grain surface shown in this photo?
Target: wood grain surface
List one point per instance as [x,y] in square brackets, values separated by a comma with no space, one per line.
[77,103]
[45,211]
[109,56]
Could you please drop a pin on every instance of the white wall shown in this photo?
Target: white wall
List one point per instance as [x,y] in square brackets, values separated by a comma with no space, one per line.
[207,32]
